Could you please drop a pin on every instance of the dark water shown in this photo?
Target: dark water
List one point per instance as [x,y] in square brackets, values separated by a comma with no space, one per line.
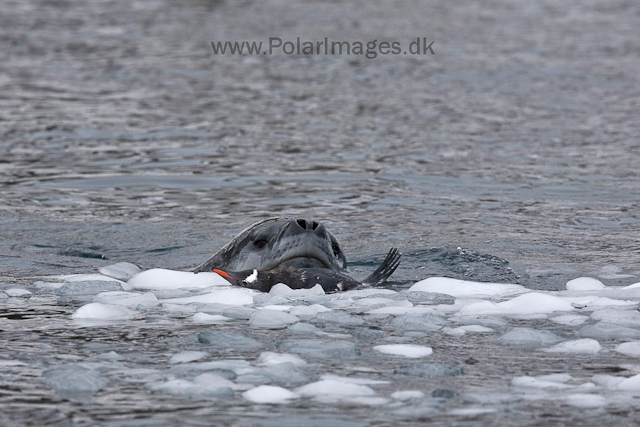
[123,138]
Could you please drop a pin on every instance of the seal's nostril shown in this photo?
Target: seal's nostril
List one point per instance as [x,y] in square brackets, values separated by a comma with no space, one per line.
[302,223]
[314,225]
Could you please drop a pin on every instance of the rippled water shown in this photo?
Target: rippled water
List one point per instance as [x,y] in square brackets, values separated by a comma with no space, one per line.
[123,138]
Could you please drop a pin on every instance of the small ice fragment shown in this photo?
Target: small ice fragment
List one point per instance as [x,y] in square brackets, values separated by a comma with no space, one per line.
[334,350]
[609,331]
[73,381]
[463,288]
[338,317]
[585,284]
[612,272]
[269,319]
[630,384]
[269,358]
[531,382]
[618,316]
[285,291]
[205,385]
[304,329]
[87,287]
[607,381]
[629,348]
[478,329]
[187,356]
[582,400]
[276,307]
[112,355]
[529,338]
[205,318]
[407,395]
[418,323]
[530,303]
[334,389]
[228,340]
[128,299]
[234,296]
[160,278]
[353,380]
[455,332]
[569,319]
[88,278]
[582,346]
[269,394]
[308,311]
[238,312]
[98,311]
[18,293]
[121,271]
[406,350]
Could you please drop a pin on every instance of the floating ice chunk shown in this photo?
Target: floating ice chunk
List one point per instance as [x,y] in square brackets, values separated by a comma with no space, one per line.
[373,301]
[228,340]
[338,317]
[583,400]
[463,288]
[334,389]
[477,329]
[618,316]
[455,332]
[630,384]
[121,271]
[234,296]
[531,382]
[320,349]
[269,358]
[531,303]
[629,348]
[585,284]
[418,323]
[238,312]
[206,385]
[87,287]
[276,307]
[128,299]
[424,298]
[583,346]
[529,338]
[18,293]
[269,394]
[160,278]
[98,311]
[308,311]
[269,319]
[353,380]
[205,318]
[285,291]
[609,331]
[395,310]
[179,308]
[112,355]
[607,381]
[74,382]
[88,278]
[406,350]
[569,319]
[187,356]
[304,329]
[613,272]
[48,285]
[430,370]
[407,395]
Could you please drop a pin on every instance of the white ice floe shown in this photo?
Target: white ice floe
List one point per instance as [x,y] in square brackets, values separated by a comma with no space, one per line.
[542,382]
[188,356]
[269,358]
[585,284]
[407,395]
[629,348]
[618,316]
[160,278]
[308,311]
[284,290]
[335,391]
[269,319]
[18,293]
[353,380]
[630,384]
[87,277]
[569,319]
[406,350]
[205,385]
[98,311]
[232,296]
[205,318]
[531,303]
[121,271]
[582,346]
[463,288]
[583,400]
[128,299]
[269,394]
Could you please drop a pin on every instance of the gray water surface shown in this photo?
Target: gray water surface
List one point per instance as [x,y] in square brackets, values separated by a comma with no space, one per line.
[123,138]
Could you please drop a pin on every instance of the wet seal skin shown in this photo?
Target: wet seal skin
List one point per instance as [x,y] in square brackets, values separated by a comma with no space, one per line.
[297,252]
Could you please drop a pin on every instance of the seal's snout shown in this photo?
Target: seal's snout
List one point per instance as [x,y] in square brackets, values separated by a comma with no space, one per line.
[303,225]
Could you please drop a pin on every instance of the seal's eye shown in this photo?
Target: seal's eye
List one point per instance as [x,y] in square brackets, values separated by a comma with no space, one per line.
[260,243]
[336,249]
